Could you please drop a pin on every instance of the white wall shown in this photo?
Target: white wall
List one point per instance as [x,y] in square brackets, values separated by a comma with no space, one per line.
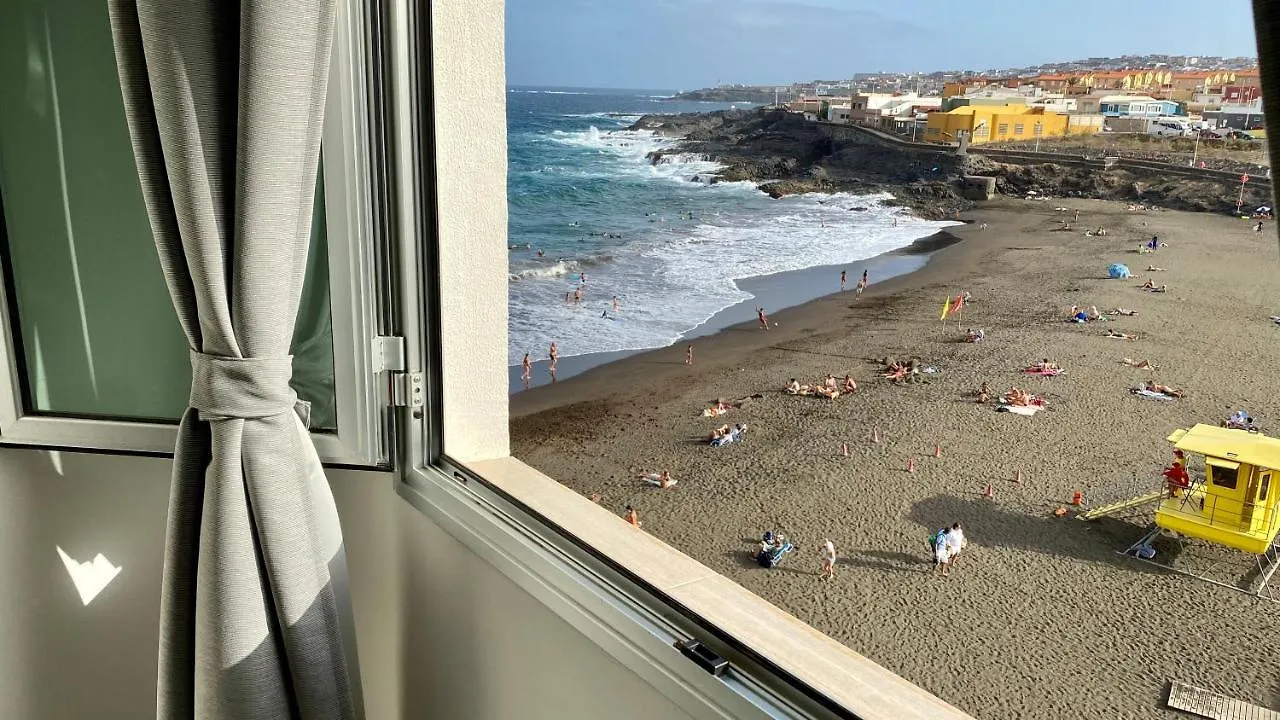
[440,633]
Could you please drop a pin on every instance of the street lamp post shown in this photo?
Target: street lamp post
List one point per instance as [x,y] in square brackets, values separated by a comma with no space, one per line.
[1195,150]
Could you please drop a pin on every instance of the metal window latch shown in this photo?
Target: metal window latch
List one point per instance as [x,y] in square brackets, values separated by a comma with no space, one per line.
[389,357]
[702,656]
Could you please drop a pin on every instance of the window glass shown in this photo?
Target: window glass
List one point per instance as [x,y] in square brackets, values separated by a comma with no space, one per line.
[95,330]
[1224,477]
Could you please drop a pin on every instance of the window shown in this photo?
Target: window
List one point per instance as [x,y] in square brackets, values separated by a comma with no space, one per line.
[1017,128]
[1223,473]
[88,325]
[1002,129]
[1264,487]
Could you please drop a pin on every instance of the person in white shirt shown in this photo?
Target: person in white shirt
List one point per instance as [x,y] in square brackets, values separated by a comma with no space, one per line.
[828,554]
[955,542]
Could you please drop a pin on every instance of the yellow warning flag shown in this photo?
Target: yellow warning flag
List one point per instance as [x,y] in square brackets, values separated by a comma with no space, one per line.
[946,308]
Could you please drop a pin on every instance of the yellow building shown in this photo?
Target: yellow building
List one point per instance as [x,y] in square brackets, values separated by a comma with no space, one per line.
[1002,123]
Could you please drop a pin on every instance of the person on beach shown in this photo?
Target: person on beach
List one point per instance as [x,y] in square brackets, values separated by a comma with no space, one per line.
[984,392]
[1117,335]
[1258,227]
[632,517]
[526,369]
[862,284]
[955,543]
[849,385]
[688,355]
[1153,268]
[938,543]
[793,387]
[554,354]
[844,280]
[615,304]
[764,320]
[1076,217]
[828,555]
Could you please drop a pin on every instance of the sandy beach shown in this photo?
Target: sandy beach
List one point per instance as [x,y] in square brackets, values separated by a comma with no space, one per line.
[1041,618]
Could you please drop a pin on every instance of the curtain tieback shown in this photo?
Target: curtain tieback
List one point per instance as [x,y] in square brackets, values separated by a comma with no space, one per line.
[225,388]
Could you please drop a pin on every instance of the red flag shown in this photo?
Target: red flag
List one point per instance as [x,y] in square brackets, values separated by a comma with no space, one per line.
[959,303]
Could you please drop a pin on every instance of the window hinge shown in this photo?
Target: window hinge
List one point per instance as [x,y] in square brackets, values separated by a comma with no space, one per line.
[406,389]
[388,354]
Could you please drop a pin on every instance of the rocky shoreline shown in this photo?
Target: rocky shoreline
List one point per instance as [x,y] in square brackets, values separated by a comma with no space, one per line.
[787,155]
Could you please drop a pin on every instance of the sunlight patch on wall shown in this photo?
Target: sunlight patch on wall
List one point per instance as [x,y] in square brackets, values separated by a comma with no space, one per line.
[90,578]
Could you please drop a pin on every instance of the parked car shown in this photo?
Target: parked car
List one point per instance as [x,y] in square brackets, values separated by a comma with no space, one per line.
[1211,134]
[1239,135]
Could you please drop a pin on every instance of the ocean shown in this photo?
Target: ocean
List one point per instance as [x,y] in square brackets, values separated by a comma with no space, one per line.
[587,209]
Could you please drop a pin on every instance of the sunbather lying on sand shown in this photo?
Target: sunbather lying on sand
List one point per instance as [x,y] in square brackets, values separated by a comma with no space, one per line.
[1044,365]
[718,432]
[1120,335]
[1080,315]
[1021,398]
[1122,311]
[661,479]
[1153,268]
[827,392]
[1156,387]
[1140,364]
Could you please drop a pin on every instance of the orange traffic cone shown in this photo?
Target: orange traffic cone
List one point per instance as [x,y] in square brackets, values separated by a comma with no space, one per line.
[844,448]
[1077,498]
[937,450]
[1017,476]
[875,434]
[911,465]
[990,491]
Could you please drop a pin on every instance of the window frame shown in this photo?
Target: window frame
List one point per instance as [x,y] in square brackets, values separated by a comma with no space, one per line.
[358,298]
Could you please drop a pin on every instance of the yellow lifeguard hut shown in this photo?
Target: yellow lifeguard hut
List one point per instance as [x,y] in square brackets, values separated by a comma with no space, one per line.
[1237,505]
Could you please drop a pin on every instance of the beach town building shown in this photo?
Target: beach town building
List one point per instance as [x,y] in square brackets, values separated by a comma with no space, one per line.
[1239,116]
[1010,122]
[1137,106]
[884,111]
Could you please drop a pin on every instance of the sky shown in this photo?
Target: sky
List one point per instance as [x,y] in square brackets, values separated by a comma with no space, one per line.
[688,44]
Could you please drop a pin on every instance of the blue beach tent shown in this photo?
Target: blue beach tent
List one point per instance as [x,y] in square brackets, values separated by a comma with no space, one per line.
[1118,271]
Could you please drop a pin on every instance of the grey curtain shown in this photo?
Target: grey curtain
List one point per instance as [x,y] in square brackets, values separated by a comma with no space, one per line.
[225,107]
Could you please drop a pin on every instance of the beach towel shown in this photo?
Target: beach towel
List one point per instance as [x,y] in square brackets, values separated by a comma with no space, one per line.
[1027,410]
[1150,394]
[653,480]
[1118,271]
[930,370]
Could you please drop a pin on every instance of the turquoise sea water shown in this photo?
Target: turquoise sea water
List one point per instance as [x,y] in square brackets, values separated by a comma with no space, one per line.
[662,238]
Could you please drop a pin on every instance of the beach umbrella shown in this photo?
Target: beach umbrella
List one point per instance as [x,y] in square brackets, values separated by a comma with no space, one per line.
[1118,271]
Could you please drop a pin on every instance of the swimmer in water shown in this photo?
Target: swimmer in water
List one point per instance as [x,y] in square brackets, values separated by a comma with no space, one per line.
[615,303]
[540,252]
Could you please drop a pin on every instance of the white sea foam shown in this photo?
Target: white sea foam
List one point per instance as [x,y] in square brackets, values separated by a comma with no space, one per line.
[671,280]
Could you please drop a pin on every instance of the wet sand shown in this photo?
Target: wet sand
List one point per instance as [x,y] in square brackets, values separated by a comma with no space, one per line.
[1041,618]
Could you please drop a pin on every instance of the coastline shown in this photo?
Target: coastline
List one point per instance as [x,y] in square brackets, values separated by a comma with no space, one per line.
[776,292]
[1039,603]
